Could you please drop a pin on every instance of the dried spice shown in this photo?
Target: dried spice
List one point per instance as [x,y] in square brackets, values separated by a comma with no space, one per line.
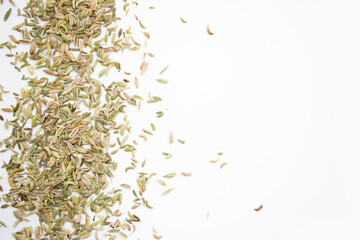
[164,70]
[7,14]
[166,192]
[259,208]
[60,165]
[61,161]
[163,81]
[186,174]
[208,30]
[171,137]
[223,165]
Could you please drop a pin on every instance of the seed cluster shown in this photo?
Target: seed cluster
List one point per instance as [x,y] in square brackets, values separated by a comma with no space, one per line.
[62,123]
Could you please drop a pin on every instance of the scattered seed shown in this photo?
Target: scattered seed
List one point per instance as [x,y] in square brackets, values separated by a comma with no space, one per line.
[163,81]
[208,30]
[7,14]
[147,132]
[141,25]
[223,165]
[259,208]
[12,38]
[170,175]
[183,20]
[157,236]
[164,70]
[171,137]
[167,191]
[161,182]
[2,224]
[186,174]
[214,161]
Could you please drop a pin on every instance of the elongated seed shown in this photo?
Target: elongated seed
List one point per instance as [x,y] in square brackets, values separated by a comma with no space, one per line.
[208,30]
[7,14]
[166,192]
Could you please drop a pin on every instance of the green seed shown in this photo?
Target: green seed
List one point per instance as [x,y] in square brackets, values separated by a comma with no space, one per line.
[7,14]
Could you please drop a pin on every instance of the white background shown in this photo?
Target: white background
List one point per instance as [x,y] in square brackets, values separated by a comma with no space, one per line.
[277,90]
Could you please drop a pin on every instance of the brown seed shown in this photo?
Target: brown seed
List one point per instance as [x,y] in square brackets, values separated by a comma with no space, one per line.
[49,72]
[157,236]
[32,48]
[147,132]
[147,34]
[136,82]
[3,224]
[12,38]
[208,30]
[259,208]
[162,71]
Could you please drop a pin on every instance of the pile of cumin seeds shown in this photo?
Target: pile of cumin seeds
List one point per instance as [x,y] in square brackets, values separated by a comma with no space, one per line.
[63,123]
[71,121]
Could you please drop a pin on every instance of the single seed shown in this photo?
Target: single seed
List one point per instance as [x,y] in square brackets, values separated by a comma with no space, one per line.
[208,30]
[167,191]
[7,14]
[157,236]
[259,208]
[163,81]
[12,38]
[214,161]
[141,25]
[147,132]
[223,165]
[171,137]
[186,174]
[164,70]
[170,175]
